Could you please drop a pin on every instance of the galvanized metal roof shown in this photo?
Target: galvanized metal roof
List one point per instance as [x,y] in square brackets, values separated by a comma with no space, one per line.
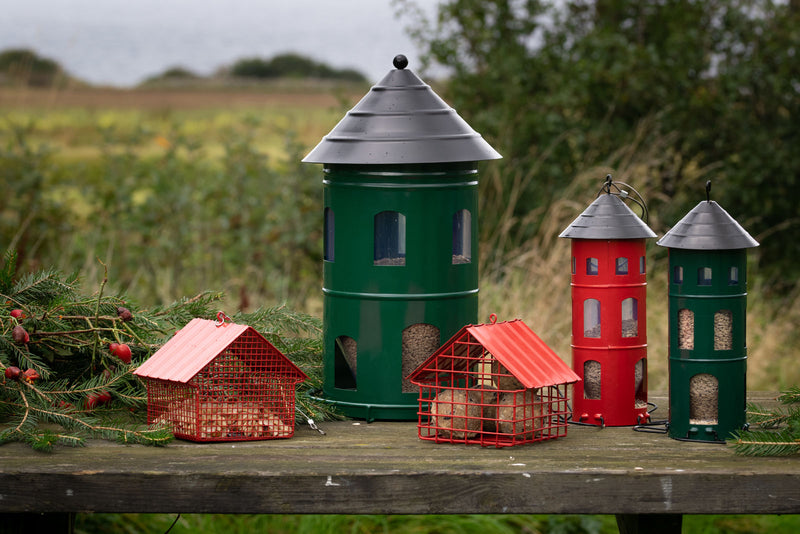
[518,349]
[401,120]
[608,218]
[194,346]
[707,227]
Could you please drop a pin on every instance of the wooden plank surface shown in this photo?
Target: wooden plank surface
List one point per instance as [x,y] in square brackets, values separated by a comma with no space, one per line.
[383,467]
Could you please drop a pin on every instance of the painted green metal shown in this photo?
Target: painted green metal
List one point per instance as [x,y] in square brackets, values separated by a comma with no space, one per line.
[373,303]
[704,346]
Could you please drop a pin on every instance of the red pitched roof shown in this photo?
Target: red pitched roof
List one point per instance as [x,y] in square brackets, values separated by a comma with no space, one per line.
[193,347]
[520,351]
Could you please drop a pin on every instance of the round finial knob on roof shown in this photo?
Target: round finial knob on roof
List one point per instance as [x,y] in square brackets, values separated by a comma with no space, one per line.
[400,61]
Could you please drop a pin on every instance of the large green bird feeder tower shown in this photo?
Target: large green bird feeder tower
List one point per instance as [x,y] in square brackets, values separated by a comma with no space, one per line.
[707,323]
[400,258]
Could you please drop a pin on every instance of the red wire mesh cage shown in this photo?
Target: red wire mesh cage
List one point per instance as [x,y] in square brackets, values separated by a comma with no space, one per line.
[495,384]
[244,388]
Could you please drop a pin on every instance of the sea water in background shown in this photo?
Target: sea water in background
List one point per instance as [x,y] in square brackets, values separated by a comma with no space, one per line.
[121,43]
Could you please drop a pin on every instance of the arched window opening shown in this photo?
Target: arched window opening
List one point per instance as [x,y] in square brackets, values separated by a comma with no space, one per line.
[723,330]
[640,383]
[419,342]
[733,276]
[685,329]
[630,317]
[462,237]
[345,360]
[677,275]
[621,266]
[328,252]
[704,276]
[703,399]
[592,266]
[591,318]
[592,379]
[390,238]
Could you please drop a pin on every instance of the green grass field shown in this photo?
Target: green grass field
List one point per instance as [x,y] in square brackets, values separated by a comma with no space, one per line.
[181,192]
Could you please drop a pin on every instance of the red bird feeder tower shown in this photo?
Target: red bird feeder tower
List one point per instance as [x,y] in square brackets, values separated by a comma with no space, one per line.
[221,381]
[609,299]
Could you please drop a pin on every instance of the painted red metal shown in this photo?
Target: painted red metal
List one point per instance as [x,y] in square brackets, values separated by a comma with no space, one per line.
[220,381]
[517,348]
[493,384]
[523,353]
[609,340]
[194,346]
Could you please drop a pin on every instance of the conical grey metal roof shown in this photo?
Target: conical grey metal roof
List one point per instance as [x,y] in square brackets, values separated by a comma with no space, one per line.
[607,218]
[707,227]
[401,120]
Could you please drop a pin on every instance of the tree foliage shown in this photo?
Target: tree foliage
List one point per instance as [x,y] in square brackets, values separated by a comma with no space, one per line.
[62,381]
[559,87]
[291,66]
[26,67]
[777,431]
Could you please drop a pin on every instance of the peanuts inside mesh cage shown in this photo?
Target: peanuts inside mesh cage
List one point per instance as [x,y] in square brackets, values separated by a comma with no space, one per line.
[240,395]
[492,417]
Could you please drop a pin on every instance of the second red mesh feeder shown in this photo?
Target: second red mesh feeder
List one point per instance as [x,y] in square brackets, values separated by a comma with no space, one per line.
[494,384]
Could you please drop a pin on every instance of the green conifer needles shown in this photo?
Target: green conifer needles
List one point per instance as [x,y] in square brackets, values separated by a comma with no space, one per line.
[60,382]
[778,432]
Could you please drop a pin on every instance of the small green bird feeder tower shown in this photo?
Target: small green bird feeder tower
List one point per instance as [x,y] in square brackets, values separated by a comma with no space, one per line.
[707,323]
[400,258]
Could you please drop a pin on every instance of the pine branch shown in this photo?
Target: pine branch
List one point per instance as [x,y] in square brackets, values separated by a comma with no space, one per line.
[790,396]
[765,418]
[82,389]
[778,432]
[762,443]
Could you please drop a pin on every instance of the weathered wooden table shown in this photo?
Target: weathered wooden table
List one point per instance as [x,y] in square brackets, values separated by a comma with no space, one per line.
[383,468]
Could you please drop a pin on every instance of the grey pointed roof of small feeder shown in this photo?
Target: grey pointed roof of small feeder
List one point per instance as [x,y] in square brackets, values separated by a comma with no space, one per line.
[401,120]
[707,227]
[607,218]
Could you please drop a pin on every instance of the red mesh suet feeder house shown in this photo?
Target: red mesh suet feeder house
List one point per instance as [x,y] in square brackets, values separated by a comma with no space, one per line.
[609,299]
[493,384]
[221,381]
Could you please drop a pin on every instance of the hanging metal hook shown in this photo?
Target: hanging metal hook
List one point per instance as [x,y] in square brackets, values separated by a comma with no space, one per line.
[221,318]
[625,195]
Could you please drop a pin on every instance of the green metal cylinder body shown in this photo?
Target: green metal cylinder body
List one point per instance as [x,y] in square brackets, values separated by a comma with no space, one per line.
[400,277]
[707,346]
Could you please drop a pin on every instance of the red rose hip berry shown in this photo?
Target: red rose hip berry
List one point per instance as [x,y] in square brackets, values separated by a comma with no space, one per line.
[123,352]
[20,335]
[13,372]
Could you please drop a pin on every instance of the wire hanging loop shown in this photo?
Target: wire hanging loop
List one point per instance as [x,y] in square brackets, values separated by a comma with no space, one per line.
[309,421]
[610,187]
[222,319]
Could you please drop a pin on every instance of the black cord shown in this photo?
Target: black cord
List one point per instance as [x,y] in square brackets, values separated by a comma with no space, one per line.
[173,524]
[715,442]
